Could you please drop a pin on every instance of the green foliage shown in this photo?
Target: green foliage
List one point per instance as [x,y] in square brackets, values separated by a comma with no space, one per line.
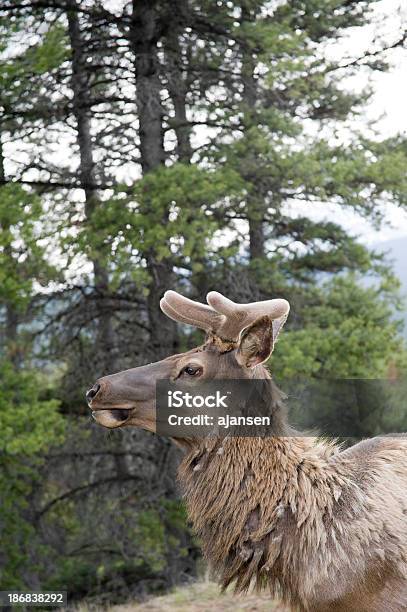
[150,534]
[22,255]
[28,63]
[29,426]
[170,211]
[348,332]
[50,53]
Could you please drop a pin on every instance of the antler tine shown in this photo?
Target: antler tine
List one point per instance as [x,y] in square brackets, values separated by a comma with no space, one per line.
[184,310]
[221,304]
[239,316]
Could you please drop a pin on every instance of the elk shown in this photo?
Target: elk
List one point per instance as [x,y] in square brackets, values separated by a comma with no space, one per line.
[325,529]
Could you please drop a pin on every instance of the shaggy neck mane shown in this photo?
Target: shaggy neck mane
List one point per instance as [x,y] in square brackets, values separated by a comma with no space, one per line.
[261,506]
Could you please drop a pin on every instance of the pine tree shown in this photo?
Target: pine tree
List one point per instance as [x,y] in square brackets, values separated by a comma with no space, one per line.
[268,90]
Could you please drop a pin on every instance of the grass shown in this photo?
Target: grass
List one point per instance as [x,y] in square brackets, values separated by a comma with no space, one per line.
[202,597]
[197,597]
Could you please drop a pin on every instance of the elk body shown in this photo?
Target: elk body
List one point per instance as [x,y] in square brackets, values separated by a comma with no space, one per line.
[322,528]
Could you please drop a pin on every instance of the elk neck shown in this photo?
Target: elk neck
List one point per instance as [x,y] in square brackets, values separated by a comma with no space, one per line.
[256,503]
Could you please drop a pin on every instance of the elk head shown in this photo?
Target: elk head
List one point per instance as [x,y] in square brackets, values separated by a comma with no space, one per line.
[240,337]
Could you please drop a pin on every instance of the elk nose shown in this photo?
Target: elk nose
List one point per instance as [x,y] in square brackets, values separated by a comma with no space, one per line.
[93,392]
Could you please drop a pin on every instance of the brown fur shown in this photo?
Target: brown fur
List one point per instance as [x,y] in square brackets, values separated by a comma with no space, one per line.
[325,530]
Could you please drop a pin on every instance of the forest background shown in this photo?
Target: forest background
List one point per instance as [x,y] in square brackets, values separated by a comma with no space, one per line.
[192,145]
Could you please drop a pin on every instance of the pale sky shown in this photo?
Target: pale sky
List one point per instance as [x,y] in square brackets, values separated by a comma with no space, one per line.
[388,105]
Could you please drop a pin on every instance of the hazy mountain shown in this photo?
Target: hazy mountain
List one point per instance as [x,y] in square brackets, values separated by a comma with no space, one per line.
[397,254]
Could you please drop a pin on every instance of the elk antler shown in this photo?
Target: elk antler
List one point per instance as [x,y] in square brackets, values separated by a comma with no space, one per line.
[223,318]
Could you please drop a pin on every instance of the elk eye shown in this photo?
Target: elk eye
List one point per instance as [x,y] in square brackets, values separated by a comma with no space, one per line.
[192,370]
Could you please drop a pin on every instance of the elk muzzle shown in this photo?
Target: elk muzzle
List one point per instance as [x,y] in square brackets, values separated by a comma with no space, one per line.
[127,398]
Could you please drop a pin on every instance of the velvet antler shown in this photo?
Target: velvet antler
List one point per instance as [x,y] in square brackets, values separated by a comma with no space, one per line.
[223,318]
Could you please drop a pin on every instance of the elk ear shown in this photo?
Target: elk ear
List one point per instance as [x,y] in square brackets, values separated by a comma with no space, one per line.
[256,342]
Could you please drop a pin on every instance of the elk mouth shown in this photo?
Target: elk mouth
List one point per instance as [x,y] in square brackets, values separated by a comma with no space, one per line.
[119,414]
[112,417]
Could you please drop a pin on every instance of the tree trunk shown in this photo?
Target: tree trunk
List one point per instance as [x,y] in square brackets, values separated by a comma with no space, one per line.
[13,351]
[144,33]
[177,88]
[81,97]
[256,233]
[255,202]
